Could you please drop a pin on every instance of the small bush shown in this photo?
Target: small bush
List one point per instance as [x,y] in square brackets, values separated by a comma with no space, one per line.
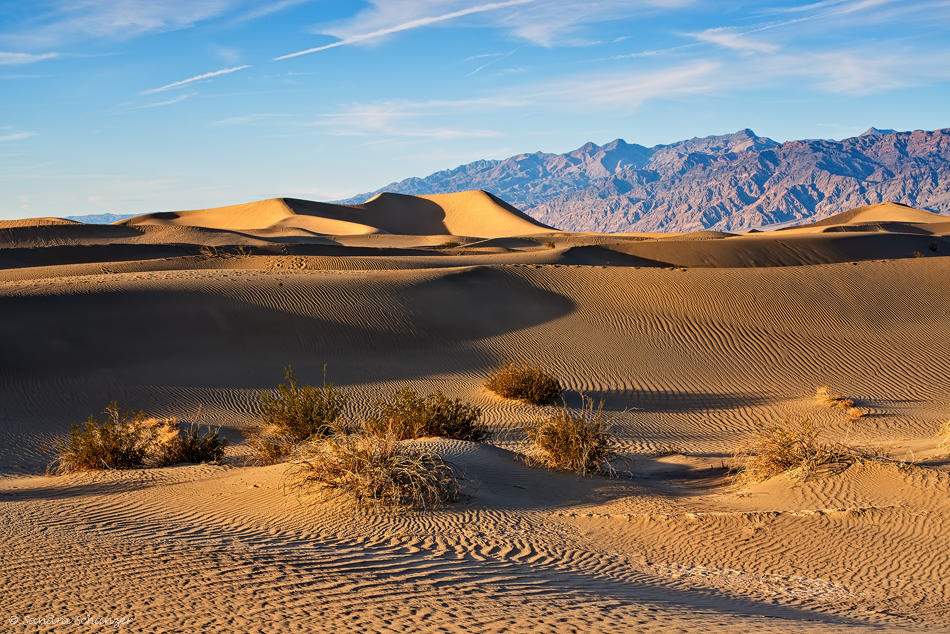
[408,415]
[123,441]
[190,445]
[292,415]
[524,382]
[374,471]
[451,244]
[790,448]
[855,413]
[549,244]
[269,444]
[573,441]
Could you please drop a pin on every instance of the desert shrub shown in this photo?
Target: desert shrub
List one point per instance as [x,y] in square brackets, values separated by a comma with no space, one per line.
[269,444]
[373,471]
[122,441]
[407,415]
[292,415]
[450,244]
[190,445]
[790,448]
[573,440]
[855,413]
[525,383]
[550,244]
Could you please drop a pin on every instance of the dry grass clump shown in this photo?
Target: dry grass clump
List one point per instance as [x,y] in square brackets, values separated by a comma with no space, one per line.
[131,440]
[189,445]
[524,382]
[374,471]
[792,448]
[122,441]
[575,441]
[825,396]
[407,415]
[855,413]
[292,415]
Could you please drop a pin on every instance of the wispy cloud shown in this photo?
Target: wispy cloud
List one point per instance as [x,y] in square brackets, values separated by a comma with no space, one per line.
[16,136]
[266,10]
[406,26]
[733,40]
[392,119]
[167,102]
[184,82]
[67,21]
[542,22]
[15,59]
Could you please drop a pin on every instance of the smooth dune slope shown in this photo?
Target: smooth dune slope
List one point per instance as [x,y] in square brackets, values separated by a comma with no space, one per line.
[475,213]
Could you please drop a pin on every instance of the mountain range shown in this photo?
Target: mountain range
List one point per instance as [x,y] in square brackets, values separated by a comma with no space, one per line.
[731,182]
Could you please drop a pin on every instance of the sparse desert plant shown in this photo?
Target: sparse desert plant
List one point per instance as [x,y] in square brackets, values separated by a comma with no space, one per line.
[450,244]
[292,415]
[524,382]
[573,440]
[373,471]
[123,440]
[855,413]
[550,244]
[407,415]
[792,448]
[189,445]
[269,444]
[825,396]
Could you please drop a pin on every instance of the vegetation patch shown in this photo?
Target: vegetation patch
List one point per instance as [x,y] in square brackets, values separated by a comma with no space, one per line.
[291,415]
[181,445]
[524,382]
[573,440]
[373,471]
[132,440]
[407,415]
[790,448]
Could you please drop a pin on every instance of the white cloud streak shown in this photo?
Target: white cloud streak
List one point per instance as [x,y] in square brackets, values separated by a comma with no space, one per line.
[66,21]
[733,40]
[406,26]
[16,136]
[15,59]
[167,102]
[184,82]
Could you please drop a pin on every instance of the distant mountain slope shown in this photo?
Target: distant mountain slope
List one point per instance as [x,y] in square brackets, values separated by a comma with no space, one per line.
[99,219]
[732,182]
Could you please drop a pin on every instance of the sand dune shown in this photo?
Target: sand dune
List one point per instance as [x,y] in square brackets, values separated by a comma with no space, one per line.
[475,213]
[691,341]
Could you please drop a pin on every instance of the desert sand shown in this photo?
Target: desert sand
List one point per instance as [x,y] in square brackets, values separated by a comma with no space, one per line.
[691,340]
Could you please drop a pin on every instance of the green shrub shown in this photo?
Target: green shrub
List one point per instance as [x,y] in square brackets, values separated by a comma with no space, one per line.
[123,441]
[408,415]
[374,471]
[575,441]
[525,383]
[292,415]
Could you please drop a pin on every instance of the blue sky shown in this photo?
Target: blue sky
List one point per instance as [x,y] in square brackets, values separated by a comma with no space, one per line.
[130,106]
